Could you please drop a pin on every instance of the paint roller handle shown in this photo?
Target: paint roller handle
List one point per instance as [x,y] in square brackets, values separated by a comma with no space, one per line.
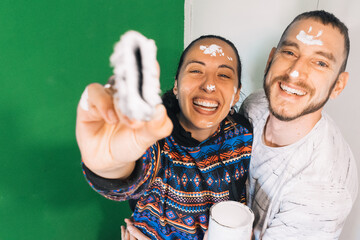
[109,142]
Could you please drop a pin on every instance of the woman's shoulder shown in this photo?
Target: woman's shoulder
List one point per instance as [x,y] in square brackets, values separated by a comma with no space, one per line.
[240,121]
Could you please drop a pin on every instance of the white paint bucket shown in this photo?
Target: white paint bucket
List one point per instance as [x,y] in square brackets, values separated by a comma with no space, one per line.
[230,220]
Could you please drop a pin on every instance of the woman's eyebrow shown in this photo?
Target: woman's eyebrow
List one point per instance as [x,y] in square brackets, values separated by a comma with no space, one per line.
[227,66]
[202,63]
[195,61]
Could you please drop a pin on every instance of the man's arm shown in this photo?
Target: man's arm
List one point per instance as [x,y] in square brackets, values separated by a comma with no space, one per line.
[312,210]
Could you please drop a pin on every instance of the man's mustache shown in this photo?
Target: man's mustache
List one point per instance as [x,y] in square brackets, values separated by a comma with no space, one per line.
[286,79]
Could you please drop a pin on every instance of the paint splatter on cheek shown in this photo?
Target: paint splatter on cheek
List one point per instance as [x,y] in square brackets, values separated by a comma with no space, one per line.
[233,97]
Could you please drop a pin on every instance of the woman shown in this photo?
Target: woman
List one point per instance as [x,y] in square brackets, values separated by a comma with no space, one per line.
[187,158]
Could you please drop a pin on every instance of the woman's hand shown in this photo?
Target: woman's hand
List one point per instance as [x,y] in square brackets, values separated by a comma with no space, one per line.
[131,232]
[109,142]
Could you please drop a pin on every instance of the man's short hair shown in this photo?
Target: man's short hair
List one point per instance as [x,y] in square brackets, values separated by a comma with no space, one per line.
[325,18]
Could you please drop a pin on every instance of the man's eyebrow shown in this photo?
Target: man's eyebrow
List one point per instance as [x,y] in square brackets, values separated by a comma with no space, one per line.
[287,43]
[327,55]
[227,66]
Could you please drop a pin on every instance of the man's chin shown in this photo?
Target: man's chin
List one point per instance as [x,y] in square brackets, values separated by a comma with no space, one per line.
[283,117]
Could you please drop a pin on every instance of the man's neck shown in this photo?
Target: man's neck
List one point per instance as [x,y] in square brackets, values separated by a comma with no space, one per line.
[279,133]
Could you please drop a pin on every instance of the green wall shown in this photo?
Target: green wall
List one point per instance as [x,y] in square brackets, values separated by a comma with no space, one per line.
[49,52]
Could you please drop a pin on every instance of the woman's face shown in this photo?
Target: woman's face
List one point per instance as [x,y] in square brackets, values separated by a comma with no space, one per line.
[207,86]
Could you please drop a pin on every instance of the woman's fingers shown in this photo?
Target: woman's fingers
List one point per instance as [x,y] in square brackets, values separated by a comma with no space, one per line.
[206,235]
[124,233]
[159,127]
[97,104]
[134,232]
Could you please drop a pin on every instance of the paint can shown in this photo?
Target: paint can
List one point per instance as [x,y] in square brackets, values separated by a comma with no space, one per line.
[230,220]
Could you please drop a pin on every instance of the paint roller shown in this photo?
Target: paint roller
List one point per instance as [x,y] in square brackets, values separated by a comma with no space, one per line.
[136,83]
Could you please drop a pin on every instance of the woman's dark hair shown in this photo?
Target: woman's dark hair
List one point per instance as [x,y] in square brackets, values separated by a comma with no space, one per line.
[183,55]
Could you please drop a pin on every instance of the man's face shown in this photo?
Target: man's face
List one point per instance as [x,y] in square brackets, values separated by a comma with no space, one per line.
[303,70]
[207,85]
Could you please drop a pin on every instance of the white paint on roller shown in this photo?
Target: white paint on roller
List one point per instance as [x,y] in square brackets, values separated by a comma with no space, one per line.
[135,104]
[84,103]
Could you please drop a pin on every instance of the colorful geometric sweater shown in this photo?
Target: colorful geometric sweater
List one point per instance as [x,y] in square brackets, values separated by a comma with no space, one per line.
[178,179]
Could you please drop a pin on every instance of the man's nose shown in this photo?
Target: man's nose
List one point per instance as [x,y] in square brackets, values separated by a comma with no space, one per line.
[298,70]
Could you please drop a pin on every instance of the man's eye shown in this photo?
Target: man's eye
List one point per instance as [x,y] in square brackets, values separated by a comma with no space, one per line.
[321,64]
[288,53]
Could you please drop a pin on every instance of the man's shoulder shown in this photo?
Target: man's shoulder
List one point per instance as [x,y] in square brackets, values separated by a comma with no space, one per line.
[255,106]
[332,156]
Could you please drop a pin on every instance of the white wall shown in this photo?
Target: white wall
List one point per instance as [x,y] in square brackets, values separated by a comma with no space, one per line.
[255,27]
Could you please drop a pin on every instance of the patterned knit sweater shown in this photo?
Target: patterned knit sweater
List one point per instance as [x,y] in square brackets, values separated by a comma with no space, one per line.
[178,179]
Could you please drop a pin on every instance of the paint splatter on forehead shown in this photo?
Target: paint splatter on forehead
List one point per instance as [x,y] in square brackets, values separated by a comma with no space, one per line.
[308,38]
[214,50]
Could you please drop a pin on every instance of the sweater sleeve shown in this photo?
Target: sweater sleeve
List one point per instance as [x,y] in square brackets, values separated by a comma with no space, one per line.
[135,185]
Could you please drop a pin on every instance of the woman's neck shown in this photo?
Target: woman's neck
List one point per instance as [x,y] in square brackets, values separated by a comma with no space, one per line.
[200,134]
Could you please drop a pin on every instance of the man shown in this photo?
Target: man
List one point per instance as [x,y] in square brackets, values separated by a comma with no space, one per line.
[303,178]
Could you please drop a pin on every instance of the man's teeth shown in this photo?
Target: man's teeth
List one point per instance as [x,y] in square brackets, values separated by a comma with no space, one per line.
[291,90]
[206,103]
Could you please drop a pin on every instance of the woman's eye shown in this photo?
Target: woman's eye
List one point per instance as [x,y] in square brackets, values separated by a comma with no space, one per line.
[195,71]
[224,76]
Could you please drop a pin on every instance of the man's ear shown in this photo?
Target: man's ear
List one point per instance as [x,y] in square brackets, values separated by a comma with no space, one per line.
[175,89]
[270,58]
[340,84]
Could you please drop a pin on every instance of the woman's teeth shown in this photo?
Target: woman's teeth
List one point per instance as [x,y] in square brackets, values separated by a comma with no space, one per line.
[206,105]
[292,90]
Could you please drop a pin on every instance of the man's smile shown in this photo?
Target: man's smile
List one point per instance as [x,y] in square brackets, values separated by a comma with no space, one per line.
[291,90]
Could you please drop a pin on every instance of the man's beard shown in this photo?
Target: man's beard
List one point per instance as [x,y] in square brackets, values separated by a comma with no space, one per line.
[313,107]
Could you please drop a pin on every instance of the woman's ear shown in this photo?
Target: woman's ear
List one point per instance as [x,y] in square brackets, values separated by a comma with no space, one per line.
[340,84]
[237,97]
[175,89]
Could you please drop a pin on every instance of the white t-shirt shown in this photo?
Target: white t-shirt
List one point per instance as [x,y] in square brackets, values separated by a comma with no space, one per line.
[304,190]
